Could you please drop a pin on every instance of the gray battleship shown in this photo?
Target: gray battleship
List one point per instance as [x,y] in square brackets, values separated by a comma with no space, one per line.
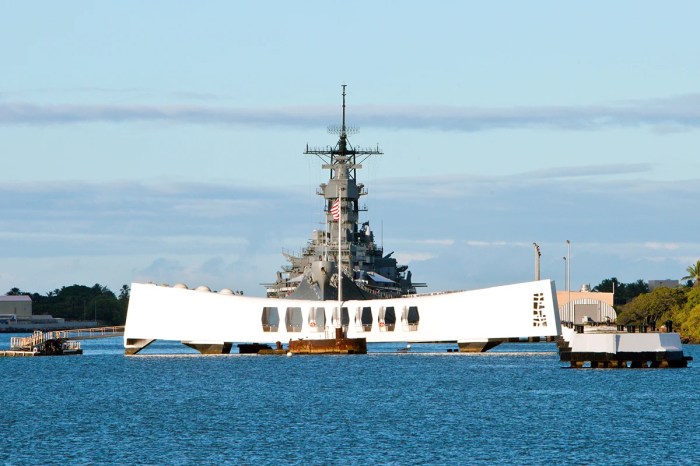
[367,273]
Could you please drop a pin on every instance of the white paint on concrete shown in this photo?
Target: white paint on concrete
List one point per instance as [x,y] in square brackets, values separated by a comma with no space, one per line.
[511,311]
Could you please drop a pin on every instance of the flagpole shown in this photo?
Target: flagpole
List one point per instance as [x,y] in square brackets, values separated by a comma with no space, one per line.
[340,258]
[326,238]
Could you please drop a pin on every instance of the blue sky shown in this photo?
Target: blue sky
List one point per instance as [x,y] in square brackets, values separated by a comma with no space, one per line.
[163,141]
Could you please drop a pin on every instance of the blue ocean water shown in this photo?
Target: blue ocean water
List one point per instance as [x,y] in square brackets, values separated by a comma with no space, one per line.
[515,404]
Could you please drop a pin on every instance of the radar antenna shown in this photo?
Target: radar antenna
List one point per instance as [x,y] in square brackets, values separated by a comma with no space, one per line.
[342,157]
[343,130]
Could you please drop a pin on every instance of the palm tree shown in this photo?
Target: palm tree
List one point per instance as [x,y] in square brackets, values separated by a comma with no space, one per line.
[693,273]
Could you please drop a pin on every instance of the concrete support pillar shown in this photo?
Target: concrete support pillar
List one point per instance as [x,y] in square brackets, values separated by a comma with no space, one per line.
[210,348]
[478,346]
[134,345]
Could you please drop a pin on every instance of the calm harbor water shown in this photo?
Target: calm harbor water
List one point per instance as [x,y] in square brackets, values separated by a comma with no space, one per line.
[515,404]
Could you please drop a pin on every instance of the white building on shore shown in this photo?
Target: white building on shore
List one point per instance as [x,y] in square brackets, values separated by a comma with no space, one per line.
[579,306]
[16,316]
[14,308]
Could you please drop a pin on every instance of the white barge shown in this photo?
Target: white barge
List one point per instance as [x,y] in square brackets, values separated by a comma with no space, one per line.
[603,348]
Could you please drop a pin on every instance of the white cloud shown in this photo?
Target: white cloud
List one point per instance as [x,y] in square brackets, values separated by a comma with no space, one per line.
[598,171]
[65,233]
[426,242]
[679,112]
[438,242]
[662,246]
[490,244]
[409,257]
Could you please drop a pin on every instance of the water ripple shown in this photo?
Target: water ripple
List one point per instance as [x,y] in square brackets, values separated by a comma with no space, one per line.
[511,406]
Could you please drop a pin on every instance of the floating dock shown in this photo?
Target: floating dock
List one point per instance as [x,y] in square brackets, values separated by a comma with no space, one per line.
[617,349]
[338,345]
[57,343]
[42,344]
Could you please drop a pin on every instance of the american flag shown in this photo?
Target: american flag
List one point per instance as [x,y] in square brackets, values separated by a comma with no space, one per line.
[335,210]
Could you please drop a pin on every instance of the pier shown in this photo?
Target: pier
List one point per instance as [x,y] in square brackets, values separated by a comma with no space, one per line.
[57,343]
[620,348]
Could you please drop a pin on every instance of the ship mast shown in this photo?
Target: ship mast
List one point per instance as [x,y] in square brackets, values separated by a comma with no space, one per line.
[345,244]
[343,140]
[342,160]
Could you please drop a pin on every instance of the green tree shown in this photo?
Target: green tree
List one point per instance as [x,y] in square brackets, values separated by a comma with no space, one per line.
[79,302]
[686,320]
[651,307]
[607,285]
[635,289]
[693,273]
[124,294]
[106,310]
[624,292]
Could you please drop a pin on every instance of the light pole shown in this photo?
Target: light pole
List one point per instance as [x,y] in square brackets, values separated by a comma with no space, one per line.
[568,278]
[568,262]
[566,311]
[339,322]
[537,261]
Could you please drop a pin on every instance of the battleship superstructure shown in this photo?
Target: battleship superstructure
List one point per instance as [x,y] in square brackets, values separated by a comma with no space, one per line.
[367,273]
[373,298]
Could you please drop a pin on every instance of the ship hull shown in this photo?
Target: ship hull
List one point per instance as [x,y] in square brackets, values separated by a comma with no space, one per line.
[200,317]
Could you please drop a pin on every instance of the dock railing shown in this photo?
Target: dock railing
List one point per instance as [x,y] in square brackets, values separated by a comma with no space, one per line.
[39,337]
[27,343]
[88,333]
